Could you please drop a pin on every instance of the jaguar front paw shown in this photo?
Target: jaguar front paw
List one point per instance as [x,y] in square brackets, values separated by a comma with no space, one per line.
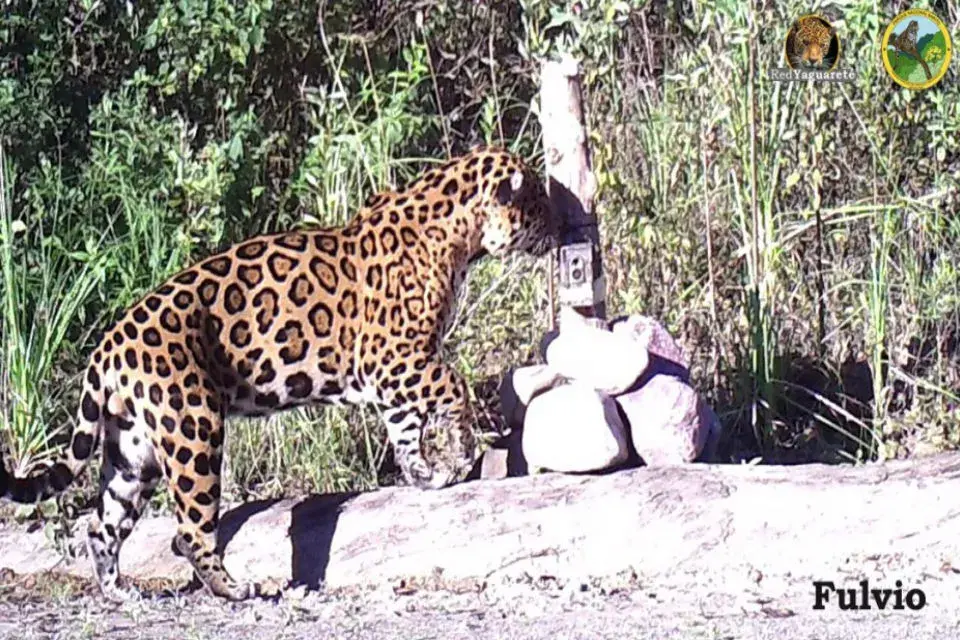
[424,476]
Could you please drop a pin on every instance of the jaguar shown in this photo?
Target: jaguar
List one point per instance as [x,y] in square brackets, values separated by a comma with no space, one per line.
[809,45]
[336,315]
[906,42]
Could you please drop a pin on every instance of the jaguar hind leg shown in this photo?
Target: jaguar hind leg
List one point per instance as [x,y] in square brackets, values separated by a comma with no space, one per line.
[195,479]
[201,550]
[128,480]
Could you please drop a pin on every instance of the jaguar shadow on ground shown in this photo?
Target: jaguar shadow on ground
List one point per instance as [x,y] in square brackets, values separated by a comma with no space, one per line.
[311,524]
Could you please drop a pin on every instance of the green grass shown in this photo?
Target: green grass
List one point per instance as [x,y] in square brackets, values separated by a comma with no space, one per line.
[783,234]
[43,292]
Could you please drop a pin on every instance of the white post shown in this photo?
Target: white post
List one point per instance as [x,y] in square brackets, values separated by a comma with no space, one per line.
[572,186]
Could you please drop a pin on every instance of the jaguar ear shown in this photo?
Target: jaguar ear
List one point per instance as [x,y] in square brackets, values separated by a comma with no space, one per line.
[508,189]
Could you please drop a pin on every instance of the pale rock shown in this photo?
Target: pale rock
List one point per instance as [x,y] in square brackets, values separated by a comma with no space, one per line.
[665,354]
[606,361]
[573,429]
[668,421]
[569,318]
[493,466]
[295,594]
[504,458]
[520,385]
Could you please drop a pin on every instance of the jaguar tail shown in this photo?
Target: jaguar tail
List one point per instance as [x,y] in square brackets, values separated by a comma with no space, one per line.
[54,477]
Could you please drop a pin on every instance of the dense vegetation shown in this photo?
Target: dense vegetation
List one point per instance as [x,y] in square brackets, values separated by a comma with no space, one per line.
[800,239]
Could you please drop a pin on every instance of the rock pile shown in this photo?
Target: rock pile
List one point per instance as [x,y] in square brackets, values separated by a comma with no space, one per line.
[606,389]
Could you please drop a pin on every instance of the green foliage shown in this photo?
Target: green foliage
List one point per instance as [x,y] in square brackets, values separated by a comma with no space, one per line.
[783,229]
[43,292]
[362,124]
[146,135]
[797,238]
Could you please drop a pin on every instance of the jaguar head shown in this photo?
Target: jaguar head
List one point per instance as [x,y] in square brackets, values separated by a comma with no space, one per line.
[516,212]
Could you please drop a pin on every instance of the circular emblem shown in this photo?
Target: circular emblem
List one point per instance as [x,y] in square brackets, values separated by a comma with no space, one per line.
[916,49]
[812,44]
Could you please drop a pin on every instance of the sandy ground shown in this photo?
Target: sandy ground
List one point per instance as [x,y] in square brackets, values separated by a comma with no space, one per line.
[58,608]
[670,572]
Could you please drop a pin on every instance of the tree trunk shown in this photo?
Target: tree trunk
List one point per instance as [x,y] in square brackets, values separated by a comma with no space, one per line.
[572,187]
